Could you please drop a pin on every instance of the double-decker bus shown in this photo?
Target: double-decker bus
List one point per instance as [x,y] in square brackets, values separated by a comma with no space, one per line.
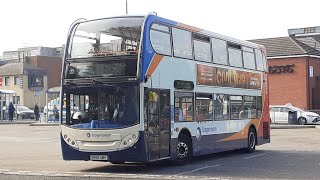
[146,88]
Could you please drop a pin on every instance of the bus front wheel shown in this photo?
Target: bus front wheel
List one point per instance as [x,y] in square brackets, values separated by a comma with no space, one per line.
[184,149]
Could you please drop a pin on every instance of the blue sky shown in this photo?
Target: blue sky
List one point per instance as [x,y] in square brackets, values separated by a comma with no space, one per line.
[45,23]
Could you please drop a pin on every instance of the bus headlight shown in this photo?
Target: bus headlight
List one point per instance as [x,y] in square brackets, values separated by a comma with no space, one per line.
[70,141]
[129,140]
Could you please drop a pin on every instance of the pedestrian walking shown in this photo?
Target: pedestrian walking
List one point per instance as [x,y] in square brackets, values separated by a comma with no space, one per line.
[11,110]
[36,111]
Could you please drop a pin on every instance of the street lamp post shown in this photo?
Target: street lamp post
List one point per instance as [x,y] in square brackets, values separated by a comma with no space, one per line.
[126,7]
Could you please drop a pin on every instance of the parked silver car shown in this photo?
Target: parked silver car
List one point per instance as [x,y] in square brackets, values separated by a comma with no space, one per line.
[23,112]
[285,113]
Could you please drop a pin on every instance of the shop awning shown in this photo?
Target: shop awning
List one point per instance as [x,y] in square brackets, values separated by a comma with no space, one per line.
[5,91]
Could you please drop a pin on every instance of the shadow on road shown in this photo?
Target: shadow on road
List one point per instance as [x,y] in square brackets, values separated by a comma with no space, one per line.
[161,167]
[262,164]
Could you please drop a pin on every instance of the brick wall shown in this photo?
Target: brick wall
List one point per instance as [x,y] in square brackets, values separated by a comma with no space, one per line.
[314,84]
[52,65]
[289,87]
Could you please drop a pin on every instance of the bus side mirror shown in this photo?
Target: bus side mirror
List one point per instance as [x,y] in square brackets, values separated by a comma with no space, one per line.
[146,78]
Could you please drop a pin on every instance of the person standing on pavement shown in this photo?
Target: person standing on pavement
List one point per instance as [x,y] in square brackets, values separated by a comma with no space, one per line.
[11,110]
[36,111]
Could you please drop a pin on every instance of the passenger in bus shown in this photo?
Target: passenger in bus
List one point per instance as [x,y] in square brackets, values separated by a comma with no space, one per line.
[115,113]
[108,112]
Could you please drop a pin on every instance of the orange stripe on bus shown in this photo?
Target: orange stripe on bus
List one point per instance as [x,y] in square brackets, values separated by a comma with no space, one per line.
[154,64]
[244,133]
[188,27]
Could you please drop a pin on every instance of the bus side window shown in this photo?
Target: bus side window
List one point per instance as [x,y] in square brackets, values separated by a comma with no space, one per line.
[183,106]
[182,43]
[160,39]
[259,106]
[221,107]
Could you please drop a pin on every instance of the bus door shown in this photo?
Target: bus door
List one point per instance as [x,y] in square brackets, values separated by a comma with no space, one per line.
[157,116]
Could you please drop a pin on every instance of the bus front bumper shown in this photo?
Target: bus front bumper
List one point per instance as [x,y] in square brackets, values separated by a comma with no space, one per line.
[135,153]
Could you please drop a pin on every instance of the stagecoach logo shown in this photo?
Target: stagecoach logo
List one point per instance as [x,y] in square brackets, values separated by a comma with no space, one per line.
[98,135]
[198,134]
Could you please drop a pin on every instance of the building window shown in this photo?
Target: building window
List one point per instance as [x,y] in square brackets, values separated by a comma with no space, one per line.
[7,81]
[16,99]
[16,80]
[182,43]
[183,106]
[204,107]
[221,107]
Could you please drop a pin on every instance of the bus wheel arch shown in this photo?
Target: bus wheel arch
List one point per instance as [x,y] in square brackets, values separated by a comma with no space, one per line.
[252,139]
[184,147]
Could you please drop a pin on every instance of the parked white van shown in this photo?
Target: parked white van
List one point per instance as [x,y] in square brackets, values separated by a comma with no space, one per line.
[285,113]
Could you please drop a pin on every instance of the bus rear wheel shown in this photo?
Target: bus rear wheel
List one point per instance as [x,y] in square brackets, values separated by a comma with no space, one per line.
[251,141]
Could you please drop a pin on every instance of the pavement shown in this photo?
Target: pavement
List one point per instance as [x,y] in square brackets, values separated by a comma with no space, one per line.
[32,122]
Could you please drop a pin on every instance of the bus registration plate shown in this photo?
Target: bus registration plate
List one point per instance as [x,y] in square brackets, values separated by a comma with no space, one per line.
[98,157]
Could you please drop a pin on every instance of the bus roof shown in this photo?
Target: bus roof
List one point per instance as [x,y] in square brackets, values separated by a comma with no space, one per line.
[151,17]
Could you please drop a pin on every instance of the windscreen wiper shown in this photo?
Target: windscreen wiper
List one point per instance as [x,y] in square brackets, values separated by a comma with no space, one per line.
[93,79]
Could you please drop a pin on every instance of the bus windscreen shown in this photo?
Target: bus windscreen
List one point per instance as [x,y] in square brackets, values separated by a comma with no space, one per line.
[105,37]
[114,106]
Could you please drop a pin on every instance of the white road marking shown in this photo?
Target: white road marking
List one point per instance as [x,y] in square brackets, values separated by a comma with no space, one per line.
[255,156]
[205,167]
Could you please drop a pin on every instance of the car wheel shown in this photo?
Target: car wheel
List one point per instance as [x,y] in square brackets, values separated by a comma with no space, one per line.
[251,141]
[302,120]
